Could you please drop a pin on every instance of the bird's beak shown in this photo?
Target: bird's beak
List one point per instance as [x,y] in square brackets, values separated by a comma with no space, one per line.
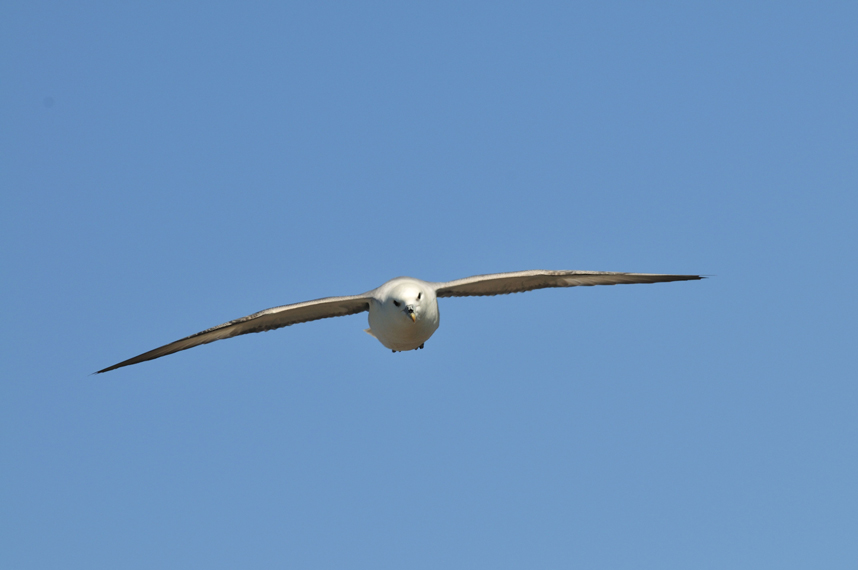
[409,310]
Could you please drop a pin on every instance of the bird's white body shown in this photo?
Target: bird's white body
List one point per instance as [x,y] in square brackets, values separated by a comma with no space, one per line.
[403,313]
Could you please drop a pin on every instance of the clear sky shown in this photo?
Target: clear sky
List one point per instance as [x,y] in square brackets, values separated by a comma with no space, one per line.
[166,167]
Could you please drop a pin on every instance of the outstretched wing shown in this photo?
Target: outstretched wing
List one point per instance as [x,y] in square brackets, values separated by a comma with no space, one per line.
[266,320]
[520,281]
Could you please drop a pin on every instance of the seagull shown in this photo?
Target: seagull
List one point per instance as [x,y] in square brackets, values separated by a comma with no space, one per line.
[403,313]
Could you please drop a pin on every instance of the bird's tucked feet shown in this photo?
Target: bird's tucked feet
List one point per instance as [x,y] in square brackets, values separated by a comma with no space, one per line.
[421,346]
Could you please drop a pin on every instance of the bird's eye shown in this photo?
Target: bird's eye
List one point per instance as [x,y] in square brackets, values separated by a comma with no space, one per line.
[419,295]
[397,303]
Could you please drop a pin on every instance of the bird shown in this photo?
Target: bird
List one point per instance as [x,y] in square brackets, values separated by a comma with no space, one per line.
[403,312]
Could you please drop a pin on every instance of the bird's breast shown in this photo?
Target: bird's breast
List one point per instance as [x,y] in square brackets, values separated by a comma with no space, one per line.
[395,330]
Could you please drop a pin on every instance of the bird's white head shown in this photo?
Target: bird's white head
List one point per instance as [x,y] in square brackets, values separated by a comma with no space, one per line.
[410,300]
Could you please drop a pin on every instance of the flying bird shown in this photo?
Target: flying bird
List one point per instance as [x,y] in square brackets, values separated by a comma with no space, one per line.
[403,313]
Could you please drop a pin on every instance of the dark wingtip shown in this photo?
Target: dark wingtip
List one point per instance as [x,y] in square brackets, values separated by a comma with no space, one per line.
[109,368]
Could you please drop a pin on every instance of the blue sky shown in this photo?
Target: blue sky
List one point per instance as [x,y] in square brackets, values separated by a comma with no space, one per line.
[167,167]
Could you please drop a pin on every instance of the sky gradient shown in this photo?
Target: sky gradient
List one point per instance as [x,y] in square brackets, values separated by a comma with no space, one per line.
[166,168]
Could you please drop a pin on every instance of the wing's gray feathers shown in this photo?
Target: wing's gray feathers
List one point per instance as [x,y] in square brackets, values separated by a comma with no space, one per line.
[266,320]
[521,281]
